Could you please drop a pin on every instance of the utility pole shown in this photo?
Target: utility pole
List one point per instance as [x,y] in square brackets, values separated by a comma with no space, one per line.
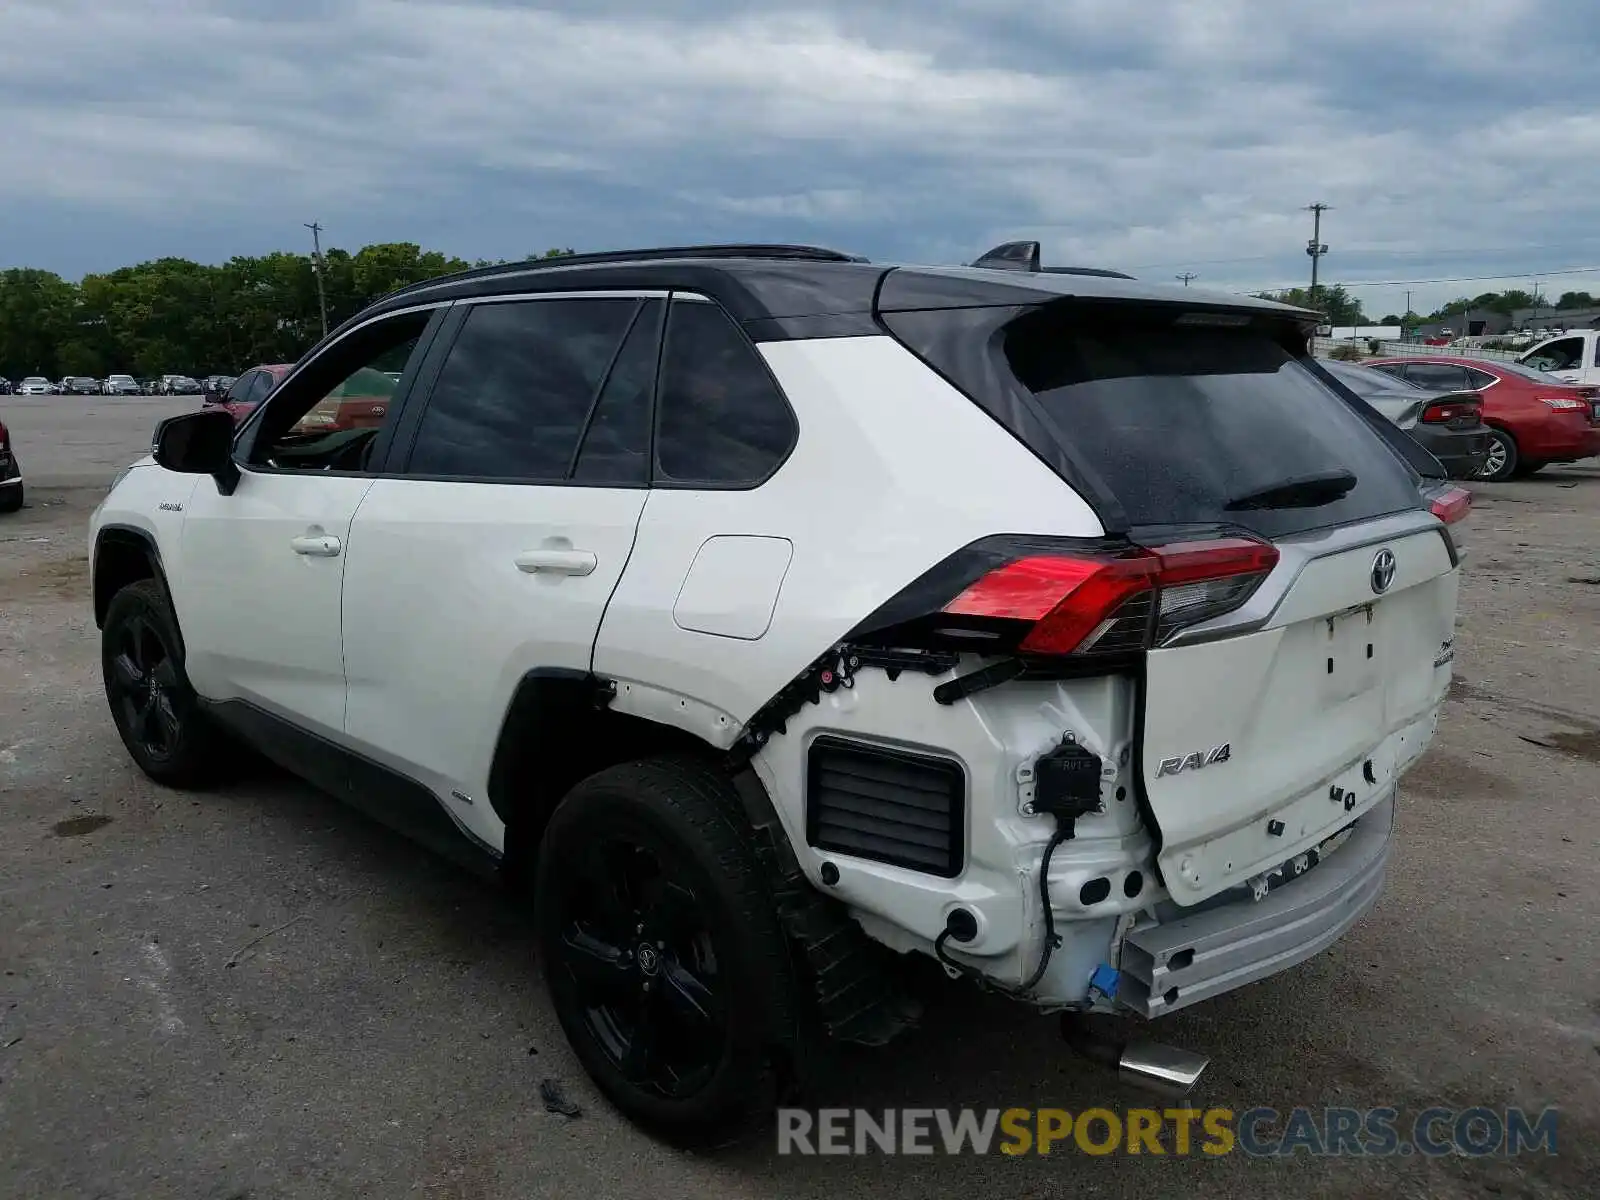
[316,267]
[1315,247]
[1407,314]
[1186,276]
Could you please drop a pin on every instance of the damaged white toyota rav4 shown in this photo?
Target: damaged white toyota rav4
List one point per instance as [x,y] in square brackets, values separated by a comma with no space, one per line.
[768,614]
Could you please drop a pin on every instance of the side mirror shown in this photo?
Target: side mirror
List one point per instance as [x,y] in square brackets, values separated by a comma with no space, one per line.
[198,443]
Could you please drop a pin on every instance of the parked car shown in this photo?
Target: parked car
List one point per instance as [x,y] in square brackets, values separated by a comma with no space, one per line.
[1534,419]
[10,473]
[179,385]
[774,614]
[36,385]
[121,385]
[240,397]
[80,385]
[1448,425]
[1572,358]
[5,386]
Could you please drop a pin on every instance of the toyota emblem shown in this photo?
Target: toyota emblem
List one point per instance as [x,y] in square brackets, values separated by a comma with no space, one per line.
[1383,568]
[377,410]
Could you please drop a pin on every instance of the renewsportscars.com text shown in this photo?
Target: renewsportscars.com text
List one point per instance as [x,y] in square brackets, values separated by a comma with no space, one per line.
[1257,1132]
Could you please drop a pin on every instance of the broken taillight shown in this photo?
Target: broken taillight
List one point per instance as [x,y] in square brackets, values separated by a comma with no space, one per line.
[1450,504]
[1120,601]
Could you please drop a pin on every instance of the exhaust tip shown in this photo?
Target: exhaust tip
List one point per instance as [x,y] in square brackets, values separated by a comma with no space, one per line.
[1165,1070]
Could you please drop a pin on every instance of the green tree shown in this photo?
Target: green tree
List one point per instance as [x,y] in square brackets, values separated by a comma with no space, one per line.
[37,314]
[1335,303]
[1575,300]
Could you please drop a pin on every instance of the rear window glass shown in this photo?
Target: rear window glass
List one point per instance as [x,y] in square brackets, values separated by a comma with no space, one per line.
[1182,424]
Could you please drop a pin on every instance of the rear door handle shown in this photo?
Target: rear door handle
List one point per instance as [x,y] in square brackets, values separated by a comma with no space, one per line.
[556,562]
[316,547]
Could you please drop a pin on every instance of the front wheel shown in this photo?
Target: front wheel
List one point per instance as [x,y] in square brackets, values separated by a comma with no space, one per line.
[10,498]
[155,709]
[666,964]
[1501,461]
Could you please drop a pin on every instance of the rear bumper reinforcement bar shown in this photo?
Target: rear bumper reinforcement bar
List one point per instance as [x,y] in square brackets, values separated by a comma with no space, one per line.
[1180,962]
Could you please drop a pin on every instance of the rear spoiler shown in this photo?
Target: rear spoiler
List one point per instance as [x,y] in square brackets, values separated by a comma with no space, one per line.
[1024,256]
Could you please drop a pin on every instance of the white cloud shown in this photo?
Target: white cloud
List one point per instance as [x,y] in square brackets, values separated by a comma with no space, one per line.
[1166,132]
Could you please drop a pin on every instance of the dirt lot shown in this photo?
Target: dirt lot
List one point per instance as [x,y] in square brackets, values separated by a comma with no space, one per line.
[257,994]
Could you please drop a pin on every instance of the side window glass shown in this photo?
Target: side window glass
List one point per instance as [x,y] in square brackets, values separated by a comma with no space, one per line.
[1558,356]
[260,385]
[616,446]
[1479,379]
[721,417]
[239,390]
[327,418]
[517,387]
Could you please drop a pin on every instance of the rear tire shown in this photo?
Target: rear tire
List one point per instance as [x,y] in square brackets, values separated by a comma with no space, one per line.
[155,709]
[10,498]
[663,953]
[1526,468]
[1502,460]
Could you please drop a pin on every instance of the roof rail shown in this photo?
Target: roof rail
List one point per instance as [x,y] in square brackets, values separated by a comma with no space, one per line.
[735,250]
[658,253]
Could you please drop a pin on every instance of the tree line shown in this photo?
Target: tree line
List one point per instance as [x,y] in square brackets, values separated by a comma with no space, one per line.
[1342,308]
[176,316]
[173,316]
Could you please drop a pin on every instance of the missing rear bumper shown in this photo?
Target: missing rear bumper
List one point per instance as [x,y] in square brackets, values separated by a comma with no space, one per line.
[1179,962]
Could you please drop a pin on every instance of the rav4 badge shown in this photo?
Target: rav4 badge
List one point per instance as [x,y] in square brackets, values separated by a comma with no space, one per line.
[1193,762]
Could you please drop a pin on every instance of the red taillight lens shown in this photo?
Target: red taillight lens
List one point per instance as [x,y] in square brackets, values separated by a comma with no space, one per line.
[1446,411]
[1092,603]
[1450,505]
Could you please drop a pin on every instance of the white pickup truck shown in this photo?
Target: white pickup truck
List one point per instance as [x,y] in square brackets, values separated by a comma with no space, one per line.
[1573,357]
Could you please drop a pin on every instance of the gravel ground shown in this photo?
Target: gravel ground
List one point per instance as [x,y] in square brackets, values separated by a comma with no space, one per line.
[257,993]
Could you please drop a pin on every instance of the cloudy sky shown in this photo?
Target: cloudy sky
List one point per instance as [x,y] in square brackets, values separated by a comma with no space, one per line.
[1451,137]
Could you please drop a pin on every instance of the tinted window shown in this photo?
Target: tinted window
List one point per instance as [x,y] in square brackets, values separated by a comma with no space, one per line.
[517,386]
[616,446]
[1182,424]
[1479,379]
[239,390]
[722,418]
[1365,381]
[1441,377]
[1398,370]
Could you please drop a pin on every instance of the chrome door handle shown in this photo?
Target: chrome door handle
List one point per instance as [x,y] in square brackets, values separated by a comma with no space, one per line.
[315,547]
[556,562]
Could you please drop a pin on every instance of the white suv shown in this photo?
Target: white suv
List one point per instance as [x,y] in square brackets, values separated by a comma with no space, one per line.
[768,613]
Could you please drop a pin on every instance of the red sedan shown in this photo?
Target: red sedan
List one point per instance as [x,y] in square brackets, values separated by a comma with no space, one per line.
[1534,419]
[359,402]
[249,390]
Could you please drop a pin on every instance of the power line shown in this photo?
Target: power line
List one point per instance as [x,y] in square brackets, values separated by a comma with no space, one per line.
[1365,252]
[1554,271]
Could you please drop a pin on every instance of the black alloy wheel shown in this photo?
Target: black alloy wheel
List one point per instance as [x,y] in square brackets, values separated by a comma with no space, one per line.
[638,953]
[152,704]
[142,681]
[662,950]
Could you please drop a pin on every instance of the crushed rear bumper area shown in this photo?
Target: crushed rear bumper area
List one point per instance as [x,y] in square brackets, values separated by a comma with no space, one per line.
[1184,960]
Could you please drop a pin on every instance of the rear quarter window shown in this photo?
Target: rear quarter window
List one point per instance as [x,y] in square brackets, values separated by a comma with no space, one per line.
[1180,421]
